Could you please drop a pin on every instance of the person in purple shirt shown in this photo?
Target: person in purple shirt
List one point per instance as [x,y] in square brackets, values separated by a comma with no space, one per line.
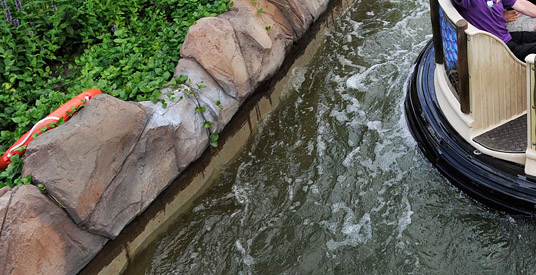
[489,15]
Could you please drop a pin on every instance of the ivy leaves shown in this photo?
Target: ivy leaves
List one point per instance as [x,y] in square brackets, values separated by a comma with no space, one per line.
[127,48]
[11,176]
[201,109]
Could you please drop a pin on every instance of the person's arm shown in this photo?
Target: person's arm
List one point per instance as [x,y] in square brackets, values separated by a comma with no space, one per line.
[511,15]
[525,7]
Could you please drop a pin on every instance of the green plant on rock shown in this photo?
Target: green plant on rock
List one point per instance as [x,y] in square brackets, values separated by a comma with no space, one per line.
[51,50]
[11,176]
[192,92]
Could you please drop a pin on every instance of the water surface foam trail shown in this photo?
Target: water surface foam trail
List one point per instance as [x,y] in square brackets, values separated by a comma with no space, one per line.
[332,182]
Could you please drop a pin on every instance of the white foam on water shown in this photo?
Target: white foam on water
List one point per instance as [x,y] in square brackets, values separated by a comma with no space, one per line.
[314,189]
[349,159]
[343,60]
[331,226]
[298,77]
[290,191]
[357,28]
[351,142]
[380,205]
[322,131]
[405,219]
[246,258]
[321,145]
[348,38]
[371,166]
[402,122]
[375,125]
[310,147]
[354,233]
[241,194]
[357,81]
[341,116]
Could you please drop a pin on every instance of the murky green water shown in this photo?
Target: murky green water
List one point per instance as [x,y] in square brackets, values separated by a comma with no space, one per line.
[333,183]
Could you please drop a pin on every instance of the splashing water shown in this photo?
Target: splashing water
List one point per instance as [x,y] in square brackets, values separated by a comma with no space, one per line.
[334,183]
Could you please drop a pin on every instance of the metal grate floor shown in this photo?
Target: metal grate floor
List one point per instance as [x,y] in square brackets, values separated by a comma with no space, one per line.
[510,137]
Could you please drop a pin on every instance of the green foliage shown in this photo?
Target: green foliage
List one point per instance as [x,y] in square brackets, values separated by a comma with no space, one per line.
[200,109]
[192,93]
[53,55]
[42,188]
[57,49]
[11,176]
[214,140]
[218,103]
[207,124]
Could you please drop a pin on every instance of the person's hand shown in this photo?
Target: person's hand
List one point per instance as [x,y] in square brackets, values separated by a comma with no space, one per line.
[511,15]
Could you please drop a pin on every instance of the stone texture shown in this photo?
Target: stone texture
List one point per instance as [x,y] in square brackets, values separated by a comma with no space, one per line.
[147,170]
[263,50]
[38,237]
[191,139]
[213,44]
[210,95]
[4,203]
[297,14]
[3,190]
[79,160]
[109,162]
[316,7]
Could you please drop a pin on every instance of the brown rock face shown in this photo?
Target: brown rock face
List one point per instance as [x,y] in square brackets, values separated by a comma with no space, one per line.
[38,237]
[146,171]
[109,162]
[264,37]
[316,7]
[79,161]
[297,14]
[213,44]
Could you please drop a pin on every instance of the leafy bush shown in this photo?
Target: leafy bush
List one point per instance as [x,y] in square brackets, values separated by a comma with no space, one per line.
[51,50]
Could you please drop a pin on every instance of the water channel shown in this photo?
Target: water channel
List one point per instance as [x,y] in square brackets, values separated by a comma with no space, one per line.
[332,181]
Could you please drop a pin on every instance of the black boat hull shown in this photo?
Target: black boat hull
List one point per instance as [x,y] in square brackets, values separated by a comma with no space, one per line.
[497,183]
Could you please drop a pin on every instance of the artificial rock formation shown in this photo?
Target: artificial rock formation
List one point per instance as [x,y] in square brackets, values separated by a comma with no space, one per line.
[109,162]
[213,44]
[264,37]
[38,237]
[79,161]
[209,95]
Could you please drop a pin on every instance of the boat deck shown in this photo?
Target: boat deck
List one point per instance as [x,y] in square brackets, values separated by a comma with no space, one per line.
[510,137]
[496,182]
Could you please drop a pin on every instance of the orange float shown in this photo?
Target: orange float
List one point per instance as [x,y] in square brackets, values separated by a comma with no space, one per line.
[66,111]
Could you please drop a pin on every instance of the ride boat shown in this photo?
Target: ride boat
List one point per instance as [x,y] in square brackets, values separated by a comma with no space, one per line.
[470,105]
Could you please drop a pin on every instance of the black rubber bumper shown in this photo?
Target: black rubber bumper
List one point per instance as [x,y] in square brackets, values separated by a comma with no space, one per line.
[500,184]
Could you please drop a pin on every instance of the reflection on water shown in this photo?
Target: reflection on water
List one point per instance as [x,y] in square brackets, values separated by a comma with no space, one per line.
[333,183]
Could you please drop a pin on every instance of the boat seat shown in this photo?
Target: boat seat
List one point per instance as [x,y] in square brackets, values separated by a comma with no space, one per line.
[495,91]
